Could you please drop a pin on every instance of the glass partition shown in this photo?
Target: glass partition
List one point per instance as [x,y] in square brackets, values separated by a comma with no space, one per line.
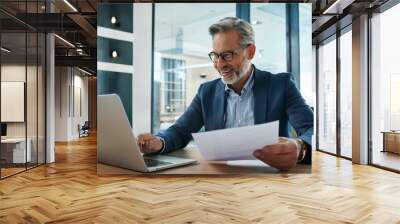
[14,145]
[346,94]
[41,96]
[385,89]
[31,99]
[22,88]
[327,96]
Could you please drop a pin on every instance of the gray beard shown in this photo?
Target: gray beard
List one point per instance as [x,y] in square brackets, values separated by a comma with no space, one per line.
[236,77]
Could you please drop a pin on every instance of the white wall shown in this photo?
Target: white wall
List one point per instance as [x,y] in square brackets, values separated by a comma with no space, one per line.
[12,73]
[61,103]
[33,126]
[70,84]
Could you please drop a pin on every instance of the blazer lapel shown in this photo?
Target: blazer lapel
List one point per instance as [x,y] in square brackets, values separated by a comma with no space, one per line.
[260,92]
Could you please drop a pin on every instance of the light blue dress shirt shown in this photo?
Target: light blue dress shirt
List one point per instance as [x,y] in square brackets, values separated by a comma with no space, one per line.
[240,107]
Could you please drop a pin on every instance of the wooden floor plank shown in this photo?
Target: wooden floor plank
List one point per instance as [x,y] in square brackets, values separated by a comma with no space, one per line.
[69,191]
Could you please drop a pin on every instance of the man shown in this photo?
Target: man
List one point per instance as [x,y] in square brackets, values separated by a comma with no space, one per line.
[243,96]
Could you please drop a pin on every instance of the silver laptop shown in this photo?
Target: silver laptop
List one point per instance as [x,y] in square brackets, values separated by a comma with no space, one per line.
[116,143]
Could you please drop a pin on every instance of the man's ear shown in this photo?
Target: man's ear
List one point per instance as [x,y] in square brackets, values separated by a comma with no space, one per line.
[251,51]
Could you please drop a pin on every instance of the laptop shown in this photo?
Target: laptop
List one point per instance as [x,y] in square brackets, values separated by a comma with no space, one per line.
[116,142]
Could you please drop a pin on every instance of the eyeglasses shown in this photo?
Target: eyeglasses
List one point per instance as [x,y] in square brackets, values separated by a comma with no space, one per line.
[226,55]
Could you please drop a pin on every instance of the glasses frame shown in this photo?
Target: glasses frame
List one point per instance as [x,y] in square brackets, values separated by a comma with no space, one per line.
[223,55]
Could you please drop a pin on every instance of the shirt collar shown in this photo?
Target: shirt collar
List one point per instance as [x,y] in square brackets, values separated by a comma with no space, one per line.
[247,86]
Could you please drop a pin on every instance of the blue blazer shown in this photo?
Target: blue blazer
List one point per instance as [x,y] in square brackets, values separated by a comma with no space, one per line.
[275,98]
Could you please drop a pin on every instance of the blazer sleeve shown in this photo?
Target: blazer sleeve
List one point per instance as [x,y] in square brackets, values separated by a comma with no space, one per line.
[179,134]
[300,116]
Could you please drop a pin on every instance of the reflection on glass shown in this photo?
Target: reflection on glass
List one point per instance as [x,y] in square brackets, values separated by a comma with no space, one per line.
[385,83]
[269,23]
[327,96]
[13,87]
[346,94]
[22,92]
[31,101]
[181,62]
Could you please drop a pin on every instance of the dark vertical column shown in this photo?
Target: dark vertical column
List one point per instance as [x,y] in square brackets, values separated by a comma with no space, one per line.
[243,11]
[154,89]
[369,83]
[338,97]
[26,86]
[37,89]
[317,97]
[293,41]
[0,93]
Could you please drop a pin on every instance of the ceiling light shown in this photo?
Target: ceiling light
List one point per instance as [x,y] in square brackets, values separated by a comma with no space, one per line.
[114,54]
[70,5]
[5,50]
[203,75]
[43,7]
[65,41]
[113,20]
[79,51]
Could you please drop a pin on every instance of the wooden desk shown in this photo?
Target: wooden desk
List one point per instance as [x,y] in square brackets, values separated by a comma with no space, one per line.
[202,167]
[391,141]
[13,150]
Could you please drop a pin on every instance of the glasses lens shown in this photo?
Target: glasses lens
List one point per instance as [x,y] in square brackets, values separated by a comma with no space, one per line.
[213,56]
[227,56]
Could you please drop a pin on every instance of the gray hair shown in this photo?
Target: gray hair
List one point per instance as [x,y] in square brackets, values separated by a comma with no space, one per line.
[244,29]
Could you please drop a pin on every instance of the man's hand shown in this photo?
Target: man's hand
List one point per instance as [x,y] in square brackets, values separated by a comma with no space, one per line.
[282,155]
[149,143]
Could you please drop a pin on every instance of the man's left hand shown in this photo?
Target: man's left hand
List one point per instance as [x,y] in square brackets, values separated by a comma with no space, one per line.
[282,155]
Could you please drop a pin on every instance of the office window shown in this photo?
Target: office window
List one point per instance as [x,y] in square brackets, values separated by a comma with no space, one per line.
[173,88]
[385,87]
[346,94]
[307,77]
[182,42]
[181,63]
[269,23]
[327,96]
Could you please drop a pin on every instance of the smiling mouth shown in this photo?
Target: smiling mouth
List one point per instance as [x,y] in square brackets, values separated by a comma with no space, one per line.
[227,73]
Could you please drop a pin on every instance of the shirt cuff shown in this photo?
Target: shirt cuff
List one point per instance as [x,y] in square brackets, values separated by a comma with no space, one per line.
[163,145]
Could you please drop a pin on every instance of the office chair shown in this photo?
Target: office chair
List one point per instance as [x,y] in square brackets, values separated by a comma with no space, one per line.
[84,130]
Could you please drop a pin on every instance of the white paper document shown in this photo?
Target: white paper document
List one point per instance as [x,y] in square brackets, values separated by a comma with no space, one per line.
[236,143]
[247,163]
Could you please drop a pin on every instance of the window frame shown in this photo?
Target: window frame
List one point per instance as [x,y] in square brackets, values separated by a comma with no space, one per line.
[334,37]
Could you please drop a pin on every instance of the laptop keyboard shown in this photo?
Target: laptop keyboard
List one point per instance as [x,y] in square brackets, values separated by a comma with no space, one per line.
[152,162]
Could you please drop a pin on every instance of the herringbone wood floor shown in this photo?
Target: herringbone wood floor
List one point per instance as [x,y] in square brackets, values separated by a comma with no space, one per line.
[69,191]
